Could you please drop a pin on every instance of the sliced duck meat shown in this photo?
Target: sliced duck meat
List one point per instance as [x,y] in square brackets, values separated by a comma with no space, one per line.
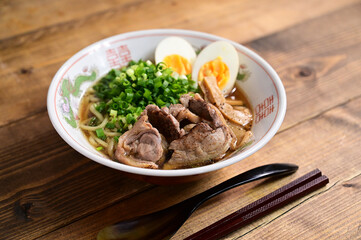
[214,95]
[204,110]
[184,99]
[198,147]
[141,146]
[197,106]
[166,123]
[207,140]
[181,113]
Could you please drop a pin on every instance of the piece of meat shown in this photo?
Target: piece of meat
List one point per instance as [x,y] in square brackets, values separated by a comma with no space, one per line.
[200,107]
[166,123]
[207,140]
[210,114]
[200,145]
[181,113]
[243,118]
[184,99]
[188,128]
[214,95]
[142,146]
[206,111]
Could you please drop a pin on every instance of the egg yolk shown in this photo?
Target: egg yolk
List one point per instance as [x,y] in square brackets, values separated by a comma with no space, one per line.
[178,64]
[216,68]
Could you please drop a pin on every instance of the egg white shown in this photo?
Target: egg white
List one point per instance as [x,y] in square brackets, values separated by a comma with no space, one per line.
[174,45]
[229,56]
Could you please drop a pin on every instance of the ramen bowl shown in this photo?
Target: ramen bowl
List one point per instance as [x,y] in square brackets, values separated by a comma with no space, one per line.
[258,80]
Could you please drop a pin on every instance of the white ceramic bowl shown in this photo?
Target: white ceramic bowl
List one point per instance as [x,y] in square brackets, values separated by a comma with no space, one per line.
[261,84]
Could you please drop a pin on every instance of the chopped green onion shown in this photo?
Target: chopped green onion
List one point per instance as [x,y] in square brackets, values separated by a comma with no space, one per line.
[110,125]
[160,102]
[147,94]
[183,77]
[114,106]
[130,72]
[130,118]
[161,66]
[100,133]
[113,113]
[99,148]
[100,107]
[125,92]
[126,83]
[93,121]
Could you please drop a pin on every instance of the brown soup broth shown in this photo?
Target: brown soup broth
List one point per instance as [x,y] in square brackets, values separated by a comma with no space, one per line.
[238,94]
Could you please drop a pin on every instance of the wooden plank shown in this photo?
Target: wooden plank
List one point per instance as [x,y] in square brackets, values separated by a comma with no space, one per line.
[335,137]
[316,59]
[23,94]
[20,17]
[279,149]
[29,61]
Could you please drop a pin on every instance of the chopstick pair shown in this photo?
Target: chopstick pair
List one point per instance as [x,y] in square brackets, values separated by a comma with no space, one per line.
[275,200]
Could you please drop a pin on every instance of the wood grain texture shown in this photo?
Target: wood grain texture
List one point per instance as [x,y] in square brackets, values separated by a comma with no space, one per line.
[326,139]
[21,17]
[321,64]
[49,191]
[32,48]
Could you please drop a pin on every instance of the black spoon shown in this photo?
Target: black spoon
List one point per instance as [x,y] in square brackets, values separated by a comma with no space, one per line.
[165,223]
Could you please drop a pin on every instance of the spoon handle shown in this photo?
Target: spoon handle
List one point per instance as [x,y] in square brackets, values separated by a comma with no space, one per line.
[275,169]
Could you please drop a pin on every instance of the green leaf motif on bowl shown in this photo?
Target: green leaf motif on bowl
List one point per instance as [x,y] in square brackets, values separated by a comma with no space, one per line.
[243,74]
[69,89]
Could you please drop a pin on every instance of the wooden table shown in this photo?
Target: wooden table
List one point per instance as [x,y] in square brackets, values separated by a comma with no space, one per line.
[50,191]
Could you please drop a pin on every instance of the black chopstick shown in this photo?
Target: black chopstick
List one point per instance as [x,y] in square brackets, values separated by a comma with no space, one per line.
[275,200]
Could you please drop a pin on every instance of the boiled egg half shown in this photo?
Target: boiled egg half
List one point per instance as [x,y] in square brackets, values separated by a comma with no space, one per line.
[218,59]
[177,54]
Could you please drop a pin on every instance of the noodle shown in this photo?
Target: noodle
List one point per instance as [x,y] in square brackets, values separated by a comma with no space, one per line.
[92,141]
[98,140]
[110,147]
[91,90]
[93,128]
[112,134]
[89,103]
[95,112]
[92,98]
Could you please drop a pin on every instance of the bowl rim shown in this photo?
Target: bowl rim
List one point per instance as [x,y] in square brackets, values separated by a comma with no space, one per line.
[281,95]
